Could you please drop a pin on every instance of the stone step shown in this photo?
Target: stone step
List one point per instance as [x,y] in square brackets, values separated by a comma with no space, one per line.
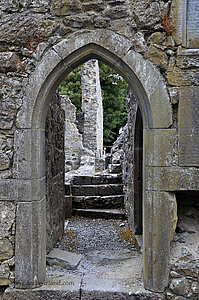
[96,179]
[115,288]
[115,168]
[116,201]
[100,213]
[97,190]
[67,287]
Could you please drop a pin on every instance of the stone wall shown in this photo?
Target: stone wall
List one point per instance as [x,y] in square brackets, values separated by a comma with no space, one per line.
[77,158]
[184,263]
[55,172]
[128,149]
[7,243]
[73,139]
[92,108]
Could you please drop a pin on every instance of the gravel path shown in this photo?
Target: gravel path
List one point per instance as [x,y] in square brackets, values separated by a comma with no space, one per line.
[108,249]
[83,235]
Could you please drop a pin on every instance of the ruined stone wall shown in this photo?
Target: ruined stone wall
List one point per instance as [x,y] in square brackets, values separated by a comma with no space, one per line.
[7,243]
[77,158]
[128,160]
[92,107]
[73,144]
[55,172]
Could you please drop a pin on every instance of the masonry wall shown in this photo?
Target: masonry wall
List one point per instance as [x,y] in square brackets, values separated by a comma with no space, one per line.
[73,144]
[128,160]
[55,172]
[184,260]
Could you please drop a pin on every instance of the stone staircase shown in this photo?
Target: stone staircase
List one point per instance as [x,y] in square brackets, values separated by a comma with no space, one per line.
[98,196]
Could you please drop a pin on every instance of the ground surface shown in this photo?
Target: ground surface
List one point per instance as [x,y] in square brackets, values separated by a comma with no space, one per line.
[109,251]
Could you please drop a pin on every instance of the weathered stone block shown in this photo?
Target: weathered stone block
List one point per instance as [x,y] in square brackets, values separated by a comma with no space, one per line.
[158,56]
[171,178]
[66,7]
[4,274]
[192,28]
[30,264]
[106,289]
[92,6]
[162,227]
[22,190]
[7,217]
[55,173]
[95,190]
[157,38]
[6,149]
[147,13]
[26,29]
[182,77]
[11,100]
[4,161]
[28,159]
[189,126]
[25,116]
[160,147]
[116,44]
[187,58]
[9,62]
[92,108]
[155,88]
[63,259]
[180,286]
[70,290]
[116,201]
[186,265]
[6,249]
[116,12]
[178,17]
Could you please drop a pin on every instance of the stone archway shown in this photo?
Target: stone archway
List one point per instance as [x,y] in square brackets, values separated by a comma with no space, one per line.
[150,90]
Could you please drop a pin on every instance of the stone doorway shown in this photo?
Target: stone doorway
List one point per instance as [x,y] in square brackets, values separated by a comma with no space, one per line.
[64,57]
[118,250]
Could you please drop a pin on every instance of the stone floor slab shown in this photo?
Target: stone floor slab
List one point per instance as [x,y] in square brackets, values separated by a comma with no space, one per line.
[44,293]
[106,289]
[63,259]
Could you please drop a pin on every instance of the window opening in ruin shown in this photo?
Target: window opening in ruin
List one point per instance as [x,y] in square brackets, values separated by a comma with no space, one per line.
[98,233]
[187,229]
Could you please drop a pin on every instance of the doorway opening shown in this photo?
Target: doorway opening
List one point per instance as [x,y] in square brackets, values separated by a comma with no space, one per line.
[97,196]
